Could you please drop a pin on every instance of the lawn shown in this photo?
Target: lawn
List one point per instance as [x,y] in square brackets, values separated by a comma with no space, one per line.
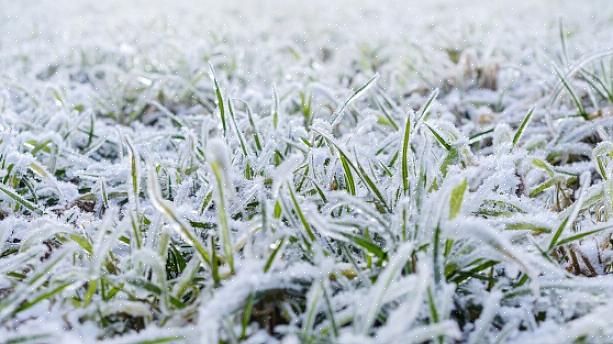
[306,171]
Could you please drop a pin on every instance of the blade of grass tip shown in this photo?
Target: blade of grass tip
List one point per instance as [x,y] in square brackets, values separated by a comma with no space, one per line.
[543,165]
[273,254]
[103,193]
[537,190]
[522,127]
[571,91]
[438,137]
[368,245]
[206,201]
[275,107]
[82,241]
[425,109]
[133,157]
[404,161]
[455,201]
[163,206]
[218,161]
[354,96]
[479,136]
[218,95]
[20,200]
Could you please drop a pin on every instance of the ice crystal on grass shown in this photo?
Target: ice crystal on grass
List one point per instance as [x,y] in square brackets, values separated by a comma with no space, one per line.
[322,171]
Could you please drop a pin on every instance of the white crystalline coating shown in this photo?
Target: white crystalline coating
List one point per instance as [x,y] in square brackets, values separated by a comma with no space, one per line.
[330,224]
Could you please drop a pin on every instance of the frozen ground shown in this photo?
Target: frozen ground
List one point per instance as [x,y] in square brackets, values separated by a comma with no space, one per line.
[306,171]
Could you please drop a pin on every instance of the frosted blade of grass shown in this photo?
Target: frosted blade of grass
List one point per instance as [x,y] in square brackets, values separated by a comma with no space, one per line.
[543,165]
[402,318]
[273,254]
[174,118]
[247,315]
[275,107]
[301,217]
[313,298]
[404,161]
[522,127]
[20,200]
[218,161]
[378,291]
[206,201]
[570,219]
[439,138]
[575,98]
[348,174]
[479,230]
[425,109]
[218,95]
[166,209]
[368,245]
[597,84]
[359,92]
[455,201]
[537,190]
[579,236]
[387,115]
[348,165]
[239,134]
[45,295]
[370,183]
[83,242]
[490,308]
[256,135]
[133,157]
[11,303]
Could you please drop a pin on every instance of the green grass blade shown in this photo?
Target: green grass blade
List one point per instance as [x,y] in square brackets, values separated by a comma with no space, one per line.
[439,138]
[404,161]
[522,127]
[218,95]
[301,217]
[455,201]
[20,200]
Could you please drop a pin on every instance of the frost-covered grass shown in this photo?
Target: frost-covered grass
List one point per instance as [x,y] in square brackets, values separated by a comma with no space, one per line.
[321,171]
